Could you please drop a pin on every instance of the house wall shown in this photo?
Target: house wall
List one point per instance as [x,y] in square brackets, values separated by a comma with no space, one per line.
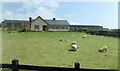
[59,29]
[39,22]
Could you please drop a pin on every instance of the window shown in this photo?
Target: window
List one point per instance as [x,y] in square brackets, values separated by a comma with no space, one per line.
[52,27]
[36,26]
[63,27]
[66,27]
[57,27]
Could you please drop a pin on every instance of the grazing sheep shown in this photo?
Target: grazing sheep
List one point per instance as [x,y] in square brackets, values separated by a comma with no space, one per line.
[84,36]
[67,40]
[74,47]
[74,42]
[61,39]
[103,49]
[73,35]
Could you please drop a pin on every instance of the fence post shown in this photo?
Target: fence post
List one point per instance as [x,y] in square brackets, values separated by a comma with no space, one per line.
[15,65]
[77,66]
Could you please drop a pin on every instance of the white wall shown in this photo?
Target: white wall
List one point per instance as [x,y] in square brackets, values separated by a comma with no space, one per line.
[58,29]
[39,22]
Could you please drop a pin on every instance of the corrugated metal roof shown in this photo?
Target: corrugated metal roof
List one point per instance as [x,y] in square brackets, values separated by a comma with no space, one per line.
[57,22]
[25,21]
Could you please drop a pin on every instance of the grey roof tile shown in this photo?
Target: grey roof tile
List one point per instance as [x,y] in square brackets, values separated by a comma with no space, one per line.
[57,22]
[25,21]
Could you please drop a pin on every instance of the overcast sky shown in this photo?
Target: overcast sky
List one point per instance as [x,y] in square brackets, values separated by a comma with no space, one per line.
[83,13]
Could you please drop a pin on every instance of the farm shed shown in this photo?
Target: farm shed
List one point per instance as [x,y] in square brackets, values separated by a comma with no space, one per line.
[85,27]
[15,24]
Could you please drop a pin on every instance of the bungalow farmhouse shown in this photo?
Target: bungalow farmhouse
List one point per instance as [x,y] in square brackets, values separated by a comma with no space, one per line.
[40,24]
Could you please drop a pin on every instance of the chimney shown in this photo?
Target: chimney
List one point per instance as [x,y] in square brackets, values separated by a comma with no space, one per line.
[30,19]
[53,18]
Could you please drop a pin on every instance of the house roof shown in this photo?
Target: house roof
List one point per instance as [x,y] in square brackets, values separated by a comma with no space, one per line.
[57,22]
[40,18]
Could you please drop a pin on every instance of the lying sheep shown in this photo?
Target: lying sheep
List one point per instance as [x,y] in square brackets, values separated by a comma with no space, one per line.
[74,47]
[61,39]
[103,49]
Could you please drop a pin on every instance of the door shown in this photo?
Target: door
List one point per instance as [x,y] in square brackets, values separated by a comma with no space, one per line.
[44,28]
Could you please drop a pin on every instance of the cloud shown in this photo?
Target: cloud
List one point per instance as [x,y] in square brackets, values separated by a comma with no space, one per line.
[11,15]
[52,4]
[25,0]
[62,0]
[33,9]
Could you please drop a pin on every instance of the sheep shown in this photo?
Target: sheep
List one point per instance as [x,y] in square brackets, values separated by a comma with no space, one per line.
[73,35]
[103,49]
[74,47]
[84,36]
[61,39]
[74,42]
[67,40]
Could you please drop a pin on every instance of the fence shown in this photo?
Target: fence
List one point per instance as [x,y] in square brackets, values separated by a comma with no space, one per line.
[16,67]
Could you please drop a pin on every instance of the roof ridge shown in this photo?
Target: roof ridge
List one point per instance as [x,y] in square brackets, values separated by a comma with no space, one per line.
[15,20]
[51,19]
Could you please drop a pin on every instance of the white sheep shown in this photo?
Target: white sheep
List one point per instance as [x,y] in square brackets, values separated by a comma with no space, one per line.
[73,35]
[74,42]
[61,39]
[103,49]
[84,36]
[67,40]
[74,47]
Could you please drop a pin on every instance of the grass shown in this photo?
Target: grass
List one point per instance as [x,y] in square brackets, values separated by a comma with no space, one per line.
[43,49]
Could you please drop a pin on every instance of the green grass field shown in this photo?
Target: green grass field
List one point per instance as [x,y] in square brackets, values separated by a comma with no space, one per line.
[43,49]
